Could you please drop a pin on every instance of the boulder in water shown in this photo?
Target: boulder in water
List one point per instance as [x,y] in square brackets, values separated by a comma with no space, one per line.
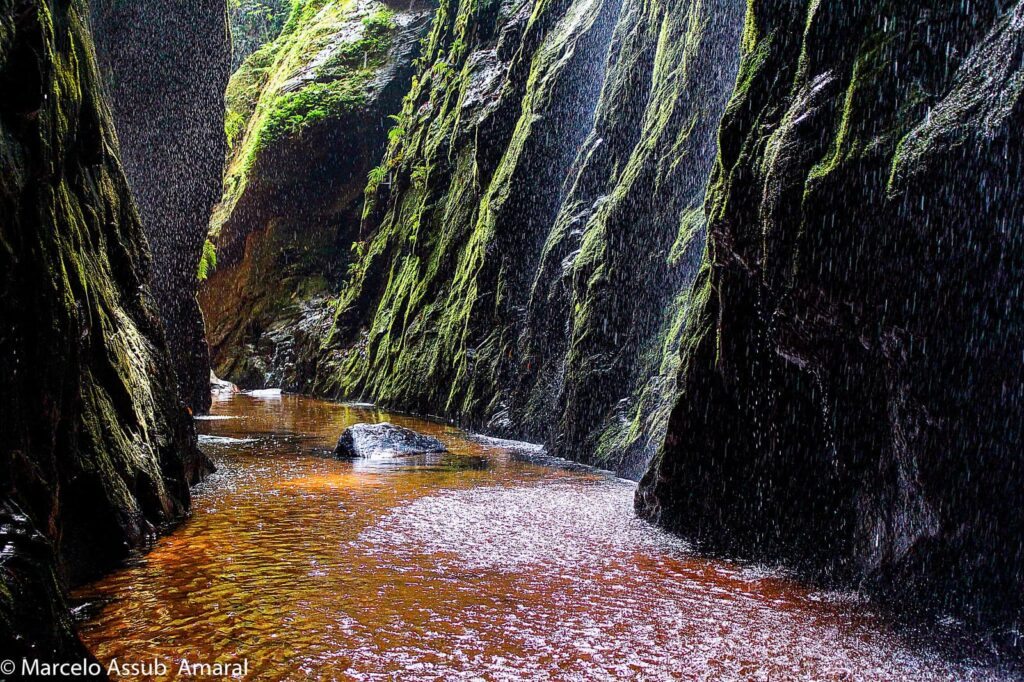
[365,440]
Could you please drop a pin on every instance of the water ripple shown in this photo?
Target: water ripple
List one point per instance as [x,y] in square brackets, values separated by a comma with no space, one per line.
[475,565]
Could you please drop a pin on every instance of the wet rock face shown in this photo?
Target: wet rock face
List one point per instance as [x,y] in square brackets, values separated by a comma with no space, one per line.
[307,120]
[850,394]
[606,305]
[528,240]
[97,450]
[166,65]
[367,440]
[219,387]
[34,617]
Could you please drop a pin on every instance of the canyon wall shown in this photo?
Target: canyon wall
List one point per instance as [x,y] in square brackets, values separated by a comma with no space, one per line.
[97,450]
[307,120]
[528,240]
[538,243]
[166,65]
[850,393]
[521,259]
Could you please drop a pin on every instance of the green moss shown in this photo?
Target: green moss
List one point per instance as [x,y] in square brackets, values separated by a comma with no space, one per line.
[315,72]
[234,127]
[845,145]
[291,113]
[368,52]
[691,226]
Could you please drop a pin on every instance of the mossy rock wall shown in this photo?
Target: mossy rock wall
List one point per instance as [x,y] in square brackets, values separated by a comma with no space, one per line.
[307,116]
[850,393]
[166,64]
[518,271]
[601,336]
[96,450]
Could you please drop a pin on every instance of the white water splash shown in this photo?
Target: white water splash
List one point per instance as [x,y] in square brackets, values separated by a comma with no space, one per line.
[507,528]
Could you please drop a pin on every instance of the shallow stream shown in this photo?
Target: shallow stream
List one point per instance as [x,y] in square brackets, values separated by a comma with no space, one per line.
[485,563]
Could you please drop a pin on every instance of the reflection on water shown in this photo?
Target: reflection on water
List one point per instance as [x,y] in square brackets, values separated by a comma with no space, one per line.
[478,563]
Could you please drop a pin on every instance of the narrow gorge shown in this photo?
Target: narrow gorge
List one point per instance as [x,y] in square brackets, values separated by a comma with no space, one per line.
[709,310]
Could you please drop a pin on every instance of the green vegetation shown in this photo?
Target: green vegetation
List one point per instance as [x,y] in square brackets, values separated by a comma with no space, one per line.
[315,71]
[398,131]
[234,127]
[292,112]
[420,176]
[339,83]
[358,253]
[207,262]
[254,23]
[377,176]
[369,51]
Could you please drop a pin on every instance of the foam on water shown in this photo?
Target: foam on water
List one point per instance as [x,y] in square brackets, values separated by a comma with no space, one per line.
[205,439]
[264,393]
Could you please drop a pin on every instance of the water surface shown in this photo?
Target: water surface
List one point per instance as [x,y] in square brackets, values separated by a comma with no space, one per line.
[479,564]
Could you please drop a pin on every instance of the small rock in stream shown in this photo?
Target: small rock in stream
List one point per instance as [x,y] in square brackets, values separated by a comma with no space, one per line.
[365,440]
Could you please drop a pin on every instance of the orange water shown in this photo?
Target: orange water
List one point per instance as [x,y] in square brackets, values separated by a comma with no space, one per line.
[480,564]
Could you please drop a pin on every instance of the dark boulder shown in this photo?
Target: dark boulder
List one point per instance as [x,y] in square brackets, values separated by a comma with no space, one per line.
[365,440]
